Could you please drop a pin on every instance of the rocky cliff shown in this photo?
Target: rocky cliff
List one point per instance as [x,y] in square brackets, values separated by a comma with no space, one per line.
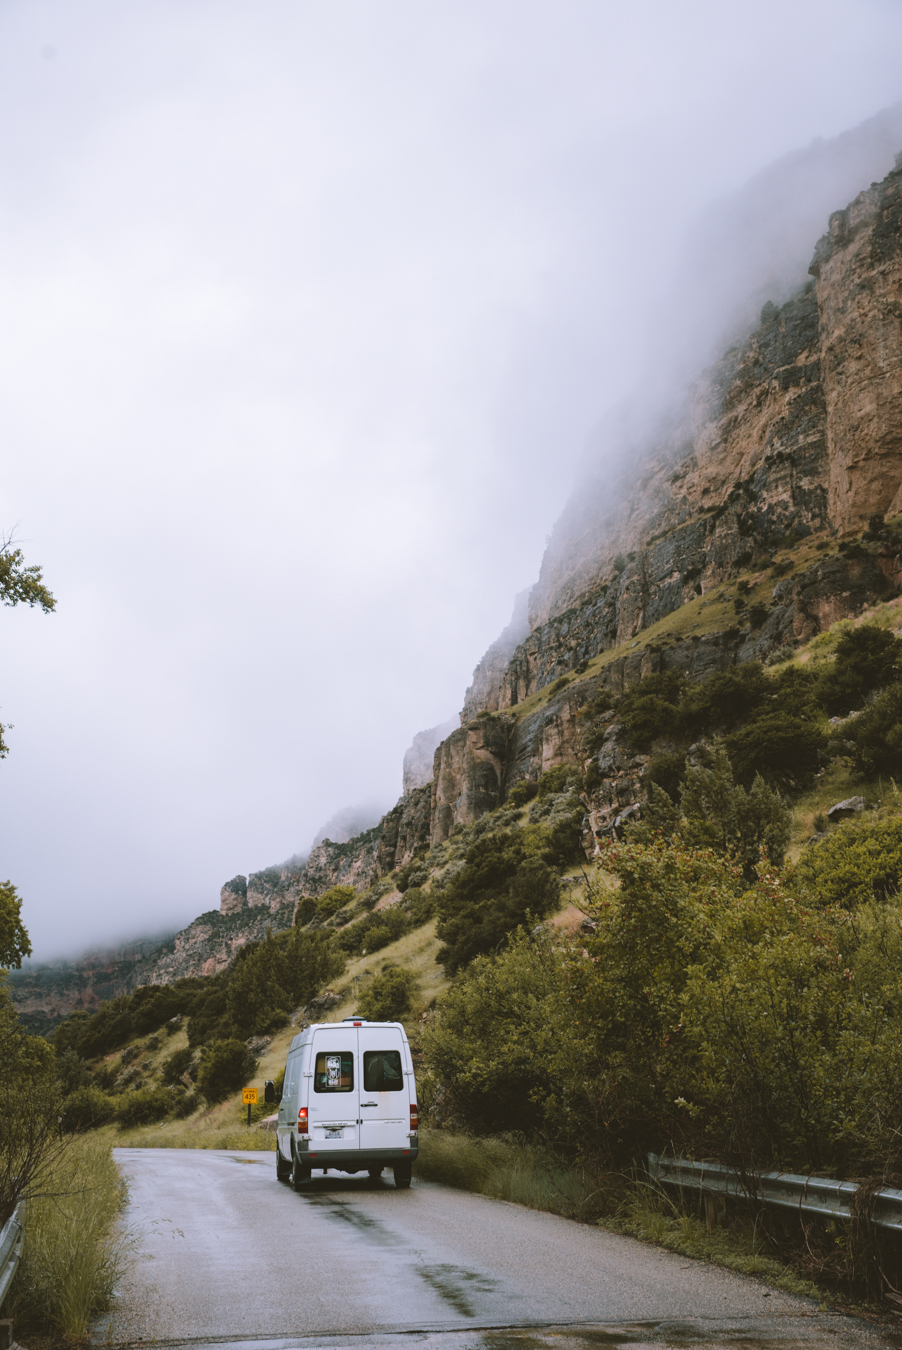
[418,758]
[46,992]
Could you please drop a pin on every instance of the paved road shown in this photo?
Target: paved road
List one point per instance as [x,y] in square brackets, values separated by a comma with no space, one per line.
[230,1254]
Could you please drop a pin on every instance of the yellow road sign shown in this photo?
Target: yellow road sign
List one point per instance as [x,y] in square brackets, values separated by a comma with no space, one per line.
[249,1096]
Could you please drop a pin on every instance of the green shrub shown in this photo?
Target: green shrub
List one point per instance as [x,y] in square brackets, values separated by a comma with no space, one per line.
[724,699]
[227,1066]
[718,813]
[270,978]
[142,1107]
[374,931]
[728,1020]
[334,899]
[499,887]
[874,738]
[649,711]
[178,1063]
[387,997]
[857,864]
[307,909]
[418,905]
[72,1072]
[867,658]
[208,1013]
[558,780]
[521,793]
[413,873]
[795,691]
[665,769]
[784,750]
[184,1104]
[151,1006]
[490,1046]
[86,1108]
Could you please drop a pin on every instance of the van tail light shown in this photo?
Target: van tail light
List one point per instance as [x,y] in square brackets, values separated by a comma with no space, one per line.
[302,1120]
[414,1117]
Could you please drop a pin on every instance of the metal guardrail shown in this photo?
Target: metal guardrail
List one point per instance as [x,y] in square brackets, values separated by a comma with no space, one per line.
[782,1190]
[12,1239]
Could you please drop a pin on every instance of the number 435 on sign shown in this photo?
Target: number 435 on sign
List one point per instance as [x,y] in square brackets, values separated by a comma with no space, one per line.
[249,1097]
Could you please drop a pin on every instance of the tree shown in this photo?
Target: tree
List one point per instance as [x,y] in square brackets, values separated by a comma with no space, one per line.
[227,1067]
[716,812]
[270,978]
[334,899]
[867,658]
[873,740]
[14,942]
[29,1110]
[29,1089]
[387,997]
[784,749]
[20,585]
[496,890]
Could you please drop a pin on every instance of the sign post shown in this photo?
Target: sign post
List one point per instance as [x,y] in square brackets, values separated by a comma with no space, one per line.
[249,1097]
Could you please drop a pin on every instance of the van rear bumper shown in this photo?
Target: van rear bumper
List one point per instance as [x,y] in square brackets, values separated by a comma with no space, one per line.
[357,1160]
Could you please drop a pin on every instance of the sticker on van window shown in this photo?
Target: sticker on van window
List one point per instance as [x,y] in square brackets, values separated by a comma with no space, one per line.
[334,1072]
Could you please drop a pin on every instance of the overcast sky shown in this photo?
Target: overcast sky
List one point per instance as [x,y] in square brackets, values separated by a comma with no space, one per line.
[308,310]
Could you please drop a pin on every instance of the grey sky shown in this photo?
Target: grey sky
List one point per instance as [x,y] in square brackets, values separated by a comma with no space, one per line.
[308,311]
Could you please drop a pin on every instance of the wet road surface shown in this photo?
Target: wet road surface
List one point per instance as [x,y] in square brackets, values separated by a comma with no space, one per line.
[228,1254]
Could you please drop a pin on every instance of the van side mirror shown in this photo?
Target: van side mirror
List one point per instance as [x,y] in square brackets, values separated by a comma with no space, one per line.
[269,1091]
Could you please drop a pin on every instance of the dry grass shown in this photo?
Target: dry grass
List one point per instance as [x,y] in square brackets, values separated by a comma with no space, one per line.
[836,784]
[506,1170]
[734,1241]
[75,1251]
[415,952]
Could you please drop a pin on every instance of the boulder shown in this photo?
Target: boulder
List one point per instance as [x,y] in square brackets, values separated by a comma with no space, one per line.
[849,807]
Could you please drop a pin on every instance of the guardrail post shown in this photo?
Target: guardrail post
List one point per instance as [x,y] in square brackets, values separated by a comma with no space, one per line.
[6,1334]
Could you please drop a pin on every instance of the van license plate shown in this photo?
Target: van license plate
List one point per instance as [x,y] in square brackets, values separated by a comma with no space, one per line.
[334,1134]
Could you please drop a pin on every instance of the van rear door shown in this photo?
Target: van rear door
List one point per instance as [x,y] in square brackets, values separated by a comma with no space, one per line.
[334,1098]
[385,1088]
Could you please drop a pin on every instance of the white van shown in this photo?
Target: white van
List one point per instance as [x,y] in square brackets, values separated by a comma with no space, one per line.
[349,1102]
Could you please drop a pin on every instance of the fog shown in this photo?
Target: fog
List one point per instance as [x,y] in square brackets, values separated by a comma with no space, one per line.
[308,313]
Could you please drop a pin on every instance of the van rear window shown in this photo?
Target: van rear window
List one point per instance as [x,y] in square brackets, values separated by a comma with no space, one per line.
[382,1071]
[334,1071]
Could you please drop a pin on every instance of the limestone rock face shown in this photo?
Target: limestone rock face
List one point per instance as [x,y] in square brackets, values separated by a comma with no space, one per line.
[469,774]
[353,863]
[734,472]
[796,431]
[420,754]
[489,674]
[405,829]
[858,266]
[233,895]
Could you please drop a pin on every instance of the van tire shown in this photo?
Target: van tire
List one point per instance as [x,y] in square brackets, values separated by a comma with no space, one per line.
[283,1169]
[375,1172]
[300,1175]
[402,1175]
